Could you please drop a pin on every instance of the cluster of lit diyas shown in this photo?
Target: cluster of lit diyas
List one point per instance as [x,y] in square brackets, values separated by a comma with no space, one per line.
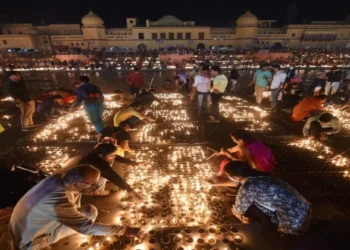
[75,126]
[179,211]
[172,132]
[169,115]
[343,116]
[52,158]
[169,99]
[7,99]
[324,152]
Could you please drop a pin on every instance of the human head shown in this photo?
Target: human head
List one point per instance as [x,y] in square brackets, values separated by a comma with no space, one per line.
[81,178]
[205,70]
[321,97]
[136,105]
[125,126]
[241,137]
[151,90]
[265,66]
[325,117]
[84,79]
[215,70]
[14,76]
[276,68]
[292,65]
[77,84]
[105,151]
[239,170]
[167,81]
[136,70]
[334,68]
[58,100]
[201,65]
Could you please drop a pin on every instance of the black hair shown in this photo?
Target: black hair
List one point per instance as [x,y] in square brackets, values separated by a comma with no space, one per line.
[84,79]
[241,134]
[276,66]
[152,90]
[136,69]
[205,67]
[12,73]
[104,149]
[242,169]
[57,97]
[80,173]
[176,77]
[326,117]
[265,65]
[216,68]
[123,124]
[167,80]
[135,104]
[202,64]
[321,97]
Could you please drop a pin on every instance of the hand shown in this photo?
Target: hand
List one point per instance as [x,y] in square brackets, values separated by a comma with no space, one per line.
[223,151]
[239,216]
[250,84]
[137,196]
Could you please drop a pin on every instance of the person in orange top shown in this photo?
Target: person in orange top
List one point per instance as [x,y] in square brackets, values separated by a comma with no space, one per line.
[307,106]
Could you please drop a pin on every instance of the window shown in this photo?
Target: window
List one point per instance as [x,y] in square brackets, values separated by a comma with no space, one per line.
[162,35]
[4,42]
[82,44]
[293,35]
[46,42]
[141,36]
[179,36]
[131,21]
[77,44]
[201,36]
[171,36]
[154,36]
[188,36]
[267,42]
[72,44]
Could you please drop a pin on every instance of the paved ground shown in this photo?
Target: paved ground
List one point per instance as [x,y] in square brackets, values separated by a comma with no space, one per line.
[320,182]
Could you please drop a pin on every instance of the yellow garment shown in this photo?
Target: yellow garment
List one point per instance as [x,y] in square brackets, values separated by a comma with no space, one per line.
[120,152]
[125,114]
[2,129]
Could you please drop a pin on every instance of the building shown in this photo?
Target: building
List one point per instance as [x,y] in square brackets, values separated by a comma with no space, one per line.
[248,32]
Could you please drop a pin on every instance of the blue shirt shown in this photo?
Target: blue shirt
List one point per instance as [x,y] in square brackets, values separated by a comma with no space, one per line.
[84,91]
[260,80]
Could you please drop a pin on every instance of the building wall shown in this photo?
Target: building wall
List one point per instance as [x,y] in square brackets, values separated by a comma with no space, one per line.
[16,41]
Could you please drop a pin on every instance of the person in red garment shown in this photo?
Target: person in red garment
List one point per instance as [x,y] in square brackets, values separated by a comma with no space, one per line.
[136,82]
[248,150]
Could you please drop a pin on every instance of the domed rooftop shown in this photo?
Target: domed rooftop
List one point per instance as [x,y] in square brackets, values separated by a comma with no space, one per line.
[248,19]
[92,20]
[169,21]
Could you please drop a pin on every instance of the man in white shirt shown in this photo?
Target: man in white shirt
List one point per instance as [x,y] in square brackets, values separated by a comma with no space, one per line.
[217,91]
[321,125]
[201,87]
[276,84]
[51,211]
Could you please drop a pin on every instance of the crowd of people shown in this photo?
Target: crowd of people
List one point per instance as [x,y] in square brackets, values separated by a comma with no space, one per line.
[249,165]
[226,59]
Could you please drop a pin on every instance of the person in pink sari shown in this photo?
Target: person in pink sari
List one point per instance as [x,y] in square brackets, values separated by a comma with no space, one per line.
[249,150]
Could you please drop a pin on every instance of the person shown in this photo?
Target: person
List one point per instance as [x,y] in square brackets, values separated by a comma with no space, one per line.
[93,99]
[136,81]
[201,87]
[261,78]
[321,125]
[292,73]
[219,85]
[249,150]
[181,82]
[130,115]
[234,75]
[124,98]
[120,135]
[18,90]
[51,211]
[333,81]
[269,199]
[318,85]
[147,97]
[102,157]
[68,96]
[307,106]
[279,78]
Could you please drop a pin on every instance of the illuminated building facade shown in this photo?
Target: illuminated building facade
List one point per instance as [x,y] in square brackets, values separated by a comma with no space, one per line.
[248,32]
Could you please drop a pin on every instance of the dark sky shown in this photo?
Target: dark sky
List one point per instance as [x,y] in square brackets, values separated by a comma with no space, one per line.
[214,13]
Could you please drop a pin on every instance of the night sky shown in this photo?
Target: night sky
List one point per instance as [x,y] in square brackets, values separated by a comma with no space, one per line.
[214,13]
